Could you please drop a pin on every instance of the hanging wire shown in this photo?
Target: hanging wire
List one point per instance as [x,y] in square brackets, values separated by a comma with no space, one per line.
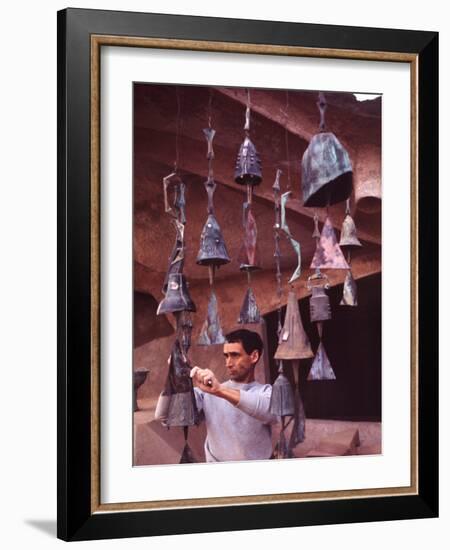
[178,127]
[286,139]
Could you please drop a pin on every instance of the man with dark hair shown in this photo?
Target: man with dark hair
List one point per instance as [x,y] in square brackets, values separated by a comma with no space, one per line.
[237,411]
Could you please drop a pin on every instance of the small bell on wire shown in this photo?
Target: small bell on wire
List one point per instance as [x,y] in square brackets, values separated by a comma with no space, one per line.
[249,313]
[348,233]
[321,368]
[212,245]
[248,164]
[349,294]
[328,254]
[282,398]
[319,305]
[211,332]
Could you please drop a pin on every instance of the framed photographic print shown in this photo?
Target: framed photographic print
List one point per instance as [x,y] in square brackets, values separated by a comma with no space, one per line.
[247,274]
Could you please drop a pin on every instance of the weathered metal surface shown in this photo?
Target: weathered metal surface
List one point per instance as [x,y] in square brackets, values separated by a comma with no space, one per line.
[293,342]
[348,233]
[295,244]
[328,254]
[319,305]
[327,176]
[184,329]
[248,164]
[321,367]
[282,401]
[177,297]
[349,293]
[249,311]
[211,332]
[187,456]
[176,258]
[209,135]
[213,250]
[248,257]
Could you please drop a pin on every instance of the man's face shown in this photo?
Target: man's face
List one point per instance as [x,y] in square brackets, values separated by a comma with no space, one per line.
[240,365]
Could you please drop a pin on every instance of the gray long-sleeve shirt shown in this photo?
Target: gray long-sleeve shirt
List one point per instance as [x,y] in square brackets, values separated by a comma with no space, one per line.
[240,432]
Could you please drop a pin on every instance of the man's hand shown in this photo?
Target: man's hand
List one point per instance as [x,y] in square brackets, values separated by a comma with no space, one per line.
[205,380]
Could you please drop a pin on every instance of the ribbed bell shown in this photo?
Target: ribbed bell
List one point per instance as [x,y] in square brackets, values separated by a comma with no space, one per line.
[349,294]
[328,254]
[282,398]
[211,332]
[321,368]
[177,296]
[212,245]
[348,233]
[248,165]
[327,176]
[293,342]
[249,313]
[319,305]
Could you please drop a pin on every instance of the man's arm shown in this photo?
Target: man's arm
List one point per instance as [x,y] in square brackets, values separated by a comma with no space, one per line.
[206,380]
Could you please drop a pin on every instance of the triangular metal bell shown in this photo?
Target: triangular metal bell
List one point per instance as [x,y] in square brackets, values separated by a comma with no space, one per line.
[349,294]
[248,165]
[348,233]
[177,296]
[321,368]
[293,342]
[249,313]
[187,456]
[282,399]
[212,245]
[328,254]
[211,332]
[327,176]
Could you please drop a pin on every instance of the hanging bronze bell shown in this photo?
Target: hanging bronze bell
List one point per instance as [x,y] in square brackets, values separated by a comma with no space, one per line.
[319,305]
[321,367]
[177,297]
[282,401]
[212,245]
[211,332]
[328,254]
[293,342]
[248,165]
[327,176]
[348,233]
[249,313]
[349,293]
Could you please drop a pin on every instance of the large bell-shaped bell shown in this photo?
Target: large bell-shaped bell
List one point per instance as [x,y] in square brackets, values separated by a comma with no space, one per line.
[212,245]
[293,342]
[211,332]
[282,400]
[177,296]
[328,254]
[348,233]
[248,165]
[321,367]
[327,176]
[249,313]
[349,294]
[319,305]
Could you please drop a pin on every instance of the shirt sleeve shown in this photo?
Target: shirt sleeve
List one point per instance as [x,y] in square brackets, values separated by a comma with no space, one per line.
[257,404]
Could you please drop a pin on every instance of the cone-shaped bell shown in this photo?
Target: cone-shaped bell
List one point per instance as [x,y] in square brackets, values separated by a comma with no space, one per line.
[348,233]
[211,332]
[328,254]
[182,410]
[177,297]
[349,294]
[248,165]
[212,246]
[319,305]
[249,311]
[248,257]
[282,398]
[327,176]
[187,456]
[321,368]
[293,342]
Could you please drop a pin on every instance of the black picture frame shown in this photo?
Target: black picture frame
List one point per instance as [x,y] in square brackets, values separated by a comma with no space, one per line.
[79,517]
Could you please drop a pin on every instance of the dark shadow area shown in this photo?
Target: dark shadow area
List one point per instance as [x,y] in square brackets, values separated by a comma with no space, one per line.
[352,339]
